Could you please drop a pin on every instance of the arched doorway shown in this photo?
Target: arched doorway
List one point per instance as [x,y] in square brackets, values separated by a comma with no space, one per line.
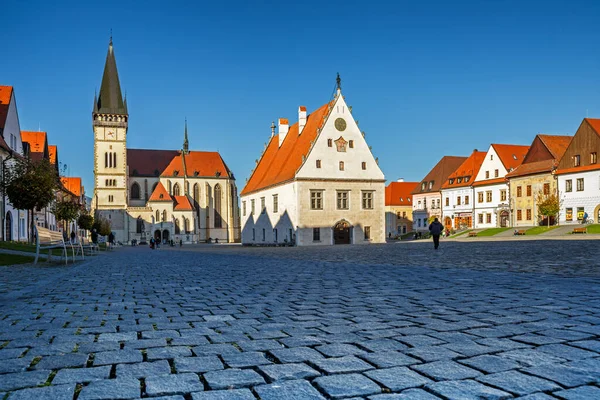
[448,223]
[341,233]
[157,235]
[165,235]
[597,214]
[8,234]
[504,219]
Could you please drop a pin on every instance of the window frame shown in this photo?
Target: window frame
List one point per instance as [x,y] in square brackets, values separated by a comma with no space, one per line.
[316,199]
[342,196]
[367,197]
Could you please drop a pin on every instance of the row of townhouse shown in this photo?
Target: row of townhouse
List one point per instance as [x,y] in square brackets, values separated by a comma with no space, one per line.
[501,187]
[16,144]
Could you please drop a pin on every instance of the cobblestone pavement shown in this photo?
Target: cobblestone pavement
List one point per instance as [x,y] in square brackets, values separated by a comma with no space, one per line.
[337,322]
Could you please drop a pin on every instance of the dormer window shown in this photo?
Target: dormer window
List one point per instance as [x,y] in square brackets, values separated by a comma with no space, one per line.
[430,185]
[459,180]
[423,186]
[401,199]
[466,179]
[175,173]
[196,173]
[452,181]
[577,160]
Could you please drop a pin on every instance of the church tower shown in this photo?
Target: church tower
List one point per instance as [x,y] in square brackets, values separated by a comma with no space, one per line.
[110,152]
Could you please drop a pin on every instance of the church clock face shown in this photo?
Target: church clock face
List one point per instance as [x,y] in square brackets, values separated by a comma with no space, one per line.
[340,124]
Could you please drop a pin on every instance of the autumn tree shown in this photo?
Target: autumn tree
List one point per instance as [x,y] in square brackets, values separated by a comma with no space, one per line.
[30,184]
[85,221]
[101,225]
[548,205]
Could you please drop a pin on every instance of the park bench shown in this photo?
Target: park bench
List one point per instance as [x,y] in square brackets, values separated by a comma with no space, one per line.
[90,247]
[579,230]
[77,249]
[472,234]
[520,232]
[48,240]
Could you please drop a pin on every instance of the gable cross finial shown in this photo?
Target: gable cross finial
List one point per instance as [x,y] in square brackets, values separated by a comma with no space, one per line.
[110,43]
[338,81]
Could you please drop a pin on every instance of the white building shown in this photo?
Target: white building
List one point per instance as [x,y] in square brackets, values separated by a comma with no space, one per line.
[427,197]
[457,193]
[179,195]
[578,175]
[14,222]
[492,208]
[316,183]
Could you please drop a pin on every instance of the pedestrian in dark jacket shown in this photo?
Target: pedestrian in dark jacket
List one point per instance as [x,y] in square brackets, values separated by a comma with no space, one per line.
[436,229]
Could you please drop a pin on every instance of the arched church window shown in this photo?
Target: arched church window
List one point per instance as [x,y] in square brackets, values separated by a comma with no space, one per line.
[139,225]
[105,160]
[196,194]
[218,219]
[187,187]
[177,228]
[146,189]
[135,191]
[164,216]
[157,216]
[176,191]
[169,187]
[186,225]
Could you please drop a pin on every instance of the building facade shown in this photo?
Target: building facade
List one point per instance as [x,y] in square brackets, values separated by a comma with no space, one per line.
[316,183]
[398,208]
[535,177]
[457,194]
[492,208]
[179,195]
[578,175]
[427,196]
[14,221]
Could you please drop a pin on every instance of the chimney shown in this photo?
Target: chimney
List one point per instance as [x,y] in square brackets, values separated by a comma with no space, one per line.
[283,130]
[301,119]
[400,180]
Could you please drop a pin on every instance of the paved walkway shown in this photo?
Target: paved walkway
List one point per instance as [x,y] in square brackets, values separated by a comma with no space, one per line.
[220,322]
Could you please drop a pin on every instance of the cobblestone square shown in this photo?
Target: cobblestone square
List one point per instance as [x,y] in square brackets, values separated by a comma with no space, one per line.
[495,320]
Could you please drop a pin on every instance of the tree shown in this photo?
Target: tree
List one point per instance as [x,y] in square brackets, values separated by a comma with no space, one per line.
[66,210]
[548,205]
[30,185]
[85,221]
[102,226]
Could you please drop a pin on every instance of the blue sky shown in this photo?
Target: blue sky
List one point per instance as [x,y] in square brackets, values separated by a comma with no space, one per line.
[425,78]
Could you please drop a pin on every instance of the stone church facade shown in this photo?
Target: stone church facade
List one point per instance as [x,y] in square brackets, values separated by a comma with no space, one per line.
[166,194]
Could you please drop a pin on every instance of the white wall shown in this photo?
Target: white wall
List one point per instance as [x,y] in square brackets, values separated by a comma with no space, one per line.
[589,198]
[489,207]
[453,208]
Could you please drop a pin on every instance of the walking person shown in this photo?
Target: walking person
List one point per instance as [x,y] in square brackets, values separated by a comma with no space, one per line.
[436,228]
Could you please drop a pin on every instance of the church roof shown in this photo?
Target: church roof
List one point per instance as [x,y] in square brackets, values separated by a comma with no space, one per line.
[110,100]
[197,163]
[279,164]
[144,162]
[182,203]
[160,194]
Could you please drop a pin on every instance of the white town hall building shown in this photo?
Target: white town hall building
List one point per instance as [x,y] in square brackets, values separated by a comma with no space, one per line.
[316,183]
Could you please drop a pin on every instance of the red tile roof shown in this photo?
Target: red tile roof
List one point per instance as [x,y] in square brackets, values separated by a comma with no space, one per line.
[52,151]
[584,168]
[469,169]
[182,203]
[511,155]
[399,193]
[144,162]
[595,124]
[36,140]
[495,181]
[160,194]
[73,185]
[439,174]
[279,164]
[532,168]
[5,96]
[197,163]
[556,144]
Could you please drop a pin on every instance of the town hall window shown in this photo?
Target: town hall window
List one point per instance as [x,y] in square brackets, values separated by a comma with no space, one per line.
[342,200]
[316,234]
[364,165]
[351,144]
[329,143]
[318,163]
[367,200]
[316,199]
[367,231]
[341,165]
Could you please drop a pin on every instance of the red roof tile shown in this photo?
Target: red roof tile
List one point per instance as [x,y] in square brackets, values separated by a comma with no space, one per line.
[160,194]
[182,203]
[556,144]
[532,168]
[585,168]
[439,174]
[52,152]
[73,185]
[595,124]
[144,162]
[495,181]
[469,169]
[399,193]
[511,155]
[279,164]
[36,140]
[5,96]
[197,163]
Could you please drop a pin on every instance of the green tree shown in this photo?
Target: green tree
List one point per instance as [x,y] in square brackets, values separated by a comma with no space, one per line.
[66,210]
[548,205]
[30,185]
[101,225]
[85,221]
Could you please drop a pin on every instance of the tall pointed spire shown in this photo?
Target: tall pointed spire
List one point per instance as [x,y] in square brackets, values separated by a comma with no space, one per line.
[110,100]
[185,140]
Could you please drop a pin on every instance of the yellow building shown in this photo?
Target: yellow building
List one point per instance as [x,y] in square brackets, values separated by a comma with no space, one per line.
[535,177]
[398,208]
